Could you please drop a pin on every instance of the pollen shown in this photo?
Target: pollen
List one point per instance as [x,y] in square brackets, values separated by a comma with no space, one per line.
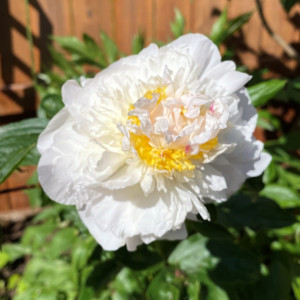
[168,159]
[159,158]
[160,91]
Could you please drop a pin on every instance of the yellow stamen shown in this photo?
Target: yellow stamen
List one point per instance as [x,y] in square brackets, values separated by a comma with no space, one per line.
[205,148]
[160,91]
[167,159]
[134,119]
[163,158]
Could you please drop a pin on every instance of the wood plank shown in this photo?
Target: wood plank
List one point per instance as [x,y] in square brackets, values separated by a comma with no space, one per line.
[132,17]
[205,14]
[5,204]
[164,14]
[94,16]
[19,199]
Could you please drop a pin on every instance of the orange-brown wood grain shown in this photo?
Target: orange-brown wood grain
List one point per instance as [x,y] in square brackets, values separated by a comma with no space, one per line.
[121,20]
[164,13]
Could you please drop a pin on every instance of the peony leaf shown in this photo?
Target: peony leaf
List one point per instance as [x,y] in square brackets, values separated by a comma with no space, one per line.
[280,274]
[192,255]
[219,26]
[177,26]
[222,259]
[140,259]
[70,43]
[51,104]
[110,48]
[66,66]
[283,195]
[163,286]
[262,92]
[224,28]
[137,43]
[193,290]
[94,51]
[17,140]
[267,121]
[270,174]
[296,287]
[240,211]
[82,251]
[60,242]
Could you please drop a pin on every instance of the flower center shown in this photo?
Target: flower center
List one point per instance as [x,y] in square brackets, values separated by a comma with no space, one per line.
[161,157]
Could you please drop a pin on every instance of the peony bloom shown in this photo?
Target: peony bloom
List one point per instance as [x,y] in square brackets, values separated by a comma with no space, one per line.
[150,140]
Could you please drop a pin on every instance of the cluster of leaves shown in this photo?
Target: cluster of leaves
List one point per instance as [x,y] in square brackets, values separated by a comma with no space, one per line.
[248,246]
[249,250]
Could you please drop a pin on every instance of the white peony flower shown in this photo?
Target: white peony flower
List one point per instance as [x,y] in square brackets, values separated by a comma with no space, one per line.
[150,140]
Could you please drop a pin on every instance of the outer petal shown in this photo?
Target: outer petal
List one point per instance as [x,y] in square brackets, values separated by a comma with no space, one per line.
[129,214]
[45,139]
[204,53]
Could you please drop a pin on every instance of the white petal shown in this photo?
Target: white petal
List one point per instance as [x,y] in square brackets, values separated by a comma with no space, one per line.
[106,239]
[45,140]
[127,175]
[233,81]
[109,163]
[204,53]
[151,50]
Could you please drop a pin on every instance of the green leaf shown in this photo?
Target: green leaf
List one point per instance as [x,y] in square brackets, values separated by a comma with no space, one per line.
[94,52]
[193,290]
[51,104]
[12,252]
[277,285]
[210,230]
[128,283]
[222,259]
[68,68]
[241,211]
[162,287]
[293,179]
[292,141]
[218,27]
[288,4]
[110,48]
[36,236]
[16,142]
[236,264]
[216,292]
[267,121]
[47,279]
[270,174]
[140,259]
[82,252]
[60,242]
[296,287]
[262,92]
[72,44]
[223,28]
[283,195]
[177,26]
[191,255]
[137,43]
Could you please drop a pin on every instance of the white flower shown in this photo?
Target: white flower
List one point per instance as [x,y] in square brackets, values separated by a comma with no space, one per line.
[151,139]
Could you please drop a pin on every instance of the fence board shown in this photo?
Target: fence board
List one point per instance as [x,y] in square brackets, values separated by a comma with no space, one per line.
[132,17]
[121,20]
[164,13]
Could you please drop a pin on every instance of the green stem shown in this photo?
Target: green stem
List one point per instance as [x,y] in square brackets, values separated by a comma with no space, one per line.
[30,41]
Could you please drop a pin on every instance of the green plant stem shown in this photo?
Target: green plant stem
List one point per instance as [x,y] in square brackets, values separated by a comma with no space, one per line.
[30,41]
[289,50]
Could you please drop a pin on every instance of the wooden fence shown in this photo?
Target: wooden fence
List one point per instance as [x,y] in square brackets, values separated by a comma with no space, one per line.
[121,20]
